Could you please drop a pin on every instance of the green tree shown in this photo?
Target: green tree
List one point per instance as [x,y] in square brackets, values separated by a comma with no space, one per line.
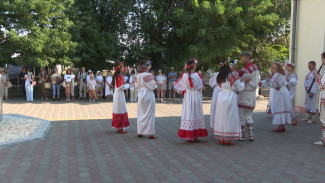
[100,30]
[170,32]
[37,31]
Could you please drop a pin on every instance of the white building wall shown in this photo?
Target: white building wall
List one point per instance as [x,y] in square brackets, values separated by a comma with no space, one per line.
[310,36]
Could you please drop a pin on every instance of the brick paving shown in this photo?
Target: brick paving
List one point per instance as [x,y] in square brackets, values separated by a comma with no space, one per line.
[89,150]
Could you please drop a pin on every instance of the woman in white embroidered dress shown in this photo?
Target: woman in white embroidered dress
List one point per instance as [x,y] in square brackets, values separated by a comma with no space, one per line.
[120,119]
[146,101]
[227,124]
[108,86]
[190,84]
[292,82]
[213,84]
[280,104]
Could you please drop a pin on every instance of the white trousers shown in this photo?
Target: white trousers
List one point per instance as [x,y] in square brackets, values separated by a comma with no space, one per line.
[310,104]
[133,95]
[245,116]
[322,113]
[83,90]
[29,92]
[4,91]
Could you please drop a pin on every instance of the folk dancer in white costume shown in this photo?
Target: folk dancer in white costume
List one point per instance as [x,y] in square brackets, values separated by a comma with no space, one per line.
[247,97]
[280,107]
[320,78]
[190,84]
[213,84]
[227,125]
[120,119]
[146,84]
[292,82]
[311,96]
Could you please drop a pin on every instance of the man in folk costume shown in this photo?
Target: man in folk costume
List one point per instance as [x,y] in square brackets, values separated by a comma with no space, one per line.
[247,97]
[190,84]
[311,90]
[146,101]
[320,79]
[120,119]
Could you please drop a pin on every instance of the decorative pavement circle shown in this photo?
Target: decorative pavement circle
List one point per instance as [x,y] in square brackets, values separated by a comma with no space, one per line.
[17,128]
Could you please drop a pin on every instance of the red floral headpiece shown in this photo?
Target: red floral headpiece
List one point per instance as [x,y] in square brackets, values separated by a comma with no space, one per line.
[227,62]
[288,64]
[119,66]
[192,65]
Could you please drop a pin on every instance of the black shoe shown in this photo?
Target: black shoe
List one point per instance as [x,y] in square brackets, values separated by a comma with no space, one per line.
[54,99]
[58,99]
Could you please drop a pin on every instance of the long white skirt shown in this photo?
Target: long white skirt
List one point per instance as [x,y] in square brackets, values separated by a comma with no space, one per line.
[192,125]
[120,115]
[213,106]
[146,112]
[280,106]
[227,124]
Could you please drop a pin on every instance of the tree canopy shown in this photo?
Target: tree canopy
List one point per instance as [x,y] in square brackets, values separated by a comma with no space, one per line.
[91,32]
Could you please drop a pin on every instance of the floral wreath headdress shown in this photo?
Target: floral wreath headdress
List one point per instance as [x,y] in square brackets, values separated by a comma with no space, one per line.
[223,63]
[277,62]
[288,64]
[119,66]
[143,66]
[191,66]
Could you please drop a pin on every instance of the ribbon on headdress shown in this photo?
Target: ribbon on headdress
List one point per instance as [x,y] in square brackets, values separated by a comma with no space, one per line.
[118,67]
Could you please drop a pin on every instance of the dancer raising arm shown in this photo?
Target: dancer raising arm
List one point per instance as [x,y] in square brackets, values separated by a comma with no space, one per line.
[120,116]
[227,124]
[280,104]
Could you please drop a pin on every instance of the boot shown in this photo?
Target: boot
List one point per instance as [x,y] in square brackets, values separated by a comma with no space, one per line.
[311,119]
[250,132]
[243,134]
[322,141]
[307,117]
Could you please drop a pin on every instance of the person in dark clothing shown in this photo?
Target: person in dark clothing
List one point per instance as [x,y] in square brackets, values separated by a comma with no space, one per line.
[22,80]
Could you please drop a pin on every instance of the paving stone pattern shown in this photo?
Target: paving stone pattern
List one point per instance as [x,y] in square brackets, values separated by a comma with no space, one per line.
[91,151]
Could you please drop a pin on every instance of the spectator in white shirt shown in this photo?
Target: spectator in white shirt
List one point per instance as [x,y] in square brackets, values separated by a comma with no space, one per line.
[160,80]
[4,84]
[68,84]
[133,91]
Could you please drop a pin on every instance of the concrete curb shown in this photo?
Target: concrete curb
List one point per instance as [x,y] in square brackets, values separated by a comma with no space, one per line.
[39,134]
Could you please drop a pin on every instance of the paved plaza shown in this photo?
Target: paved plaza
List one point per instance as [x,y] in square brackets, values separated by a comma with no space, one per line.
[82,147]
